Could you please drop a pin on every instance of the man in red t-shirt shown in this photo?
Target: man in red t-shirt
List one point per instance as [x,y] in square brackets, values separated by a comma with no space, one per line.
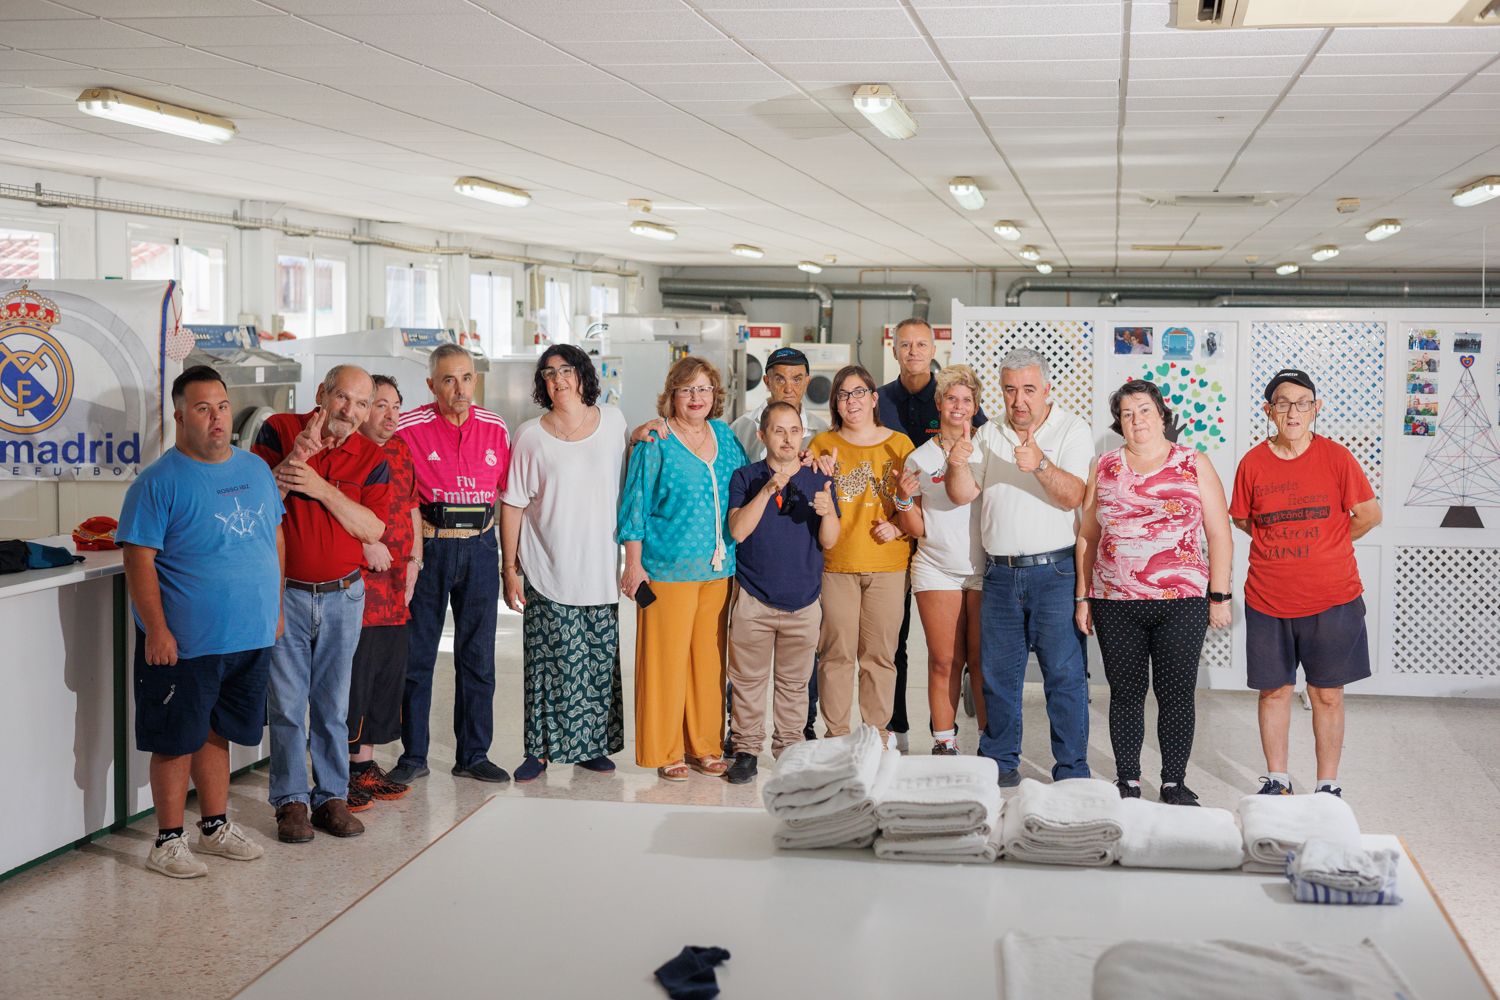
[1304,501]
[390,573]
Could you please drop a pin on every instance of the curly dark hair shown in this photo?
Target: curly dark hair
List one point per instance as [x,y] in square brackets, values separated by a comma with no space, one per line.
[1140,387]
[583,366]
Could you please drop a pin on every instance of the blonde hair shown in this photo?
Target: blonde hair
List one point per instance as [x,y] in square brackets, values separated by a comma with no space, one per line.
[957,375]
[683,371]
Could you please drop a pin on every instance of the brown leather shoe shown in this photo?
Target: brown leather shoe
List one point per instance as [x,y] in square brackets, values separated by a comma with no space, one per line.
[292,826]
[334,817]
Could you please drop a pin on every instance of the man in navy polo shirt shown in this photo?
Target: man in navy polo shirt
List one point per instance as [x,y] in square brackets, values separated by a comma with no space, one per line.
[909,405]
[782,516]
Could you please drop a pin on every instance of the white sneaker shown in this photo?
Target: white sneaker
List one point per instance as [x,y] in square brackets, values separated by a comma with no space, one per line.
[174,860]
[230,841]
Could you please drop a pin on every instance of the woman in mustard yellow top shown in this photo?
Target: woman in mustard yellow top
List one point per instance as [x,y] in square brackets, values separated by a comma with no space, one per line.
[864,575]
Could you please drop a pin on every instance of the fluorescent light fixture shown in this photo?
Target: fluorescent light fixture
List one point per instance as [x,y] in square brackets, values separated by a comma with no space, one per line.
[746,250]
[1007,230]
[1477,193]
[1043,267]
[966,193]
[1287,268]
[1029,252]
[1325,253]
[879,103]
[1383,229]
[492,191]
[118,106]
[810,267]
[652,230]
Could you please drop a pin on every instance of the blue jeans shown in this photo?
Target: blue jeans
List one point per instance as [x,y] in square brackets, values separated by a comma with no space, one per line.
[1025,608]
[308,695]
[465,571]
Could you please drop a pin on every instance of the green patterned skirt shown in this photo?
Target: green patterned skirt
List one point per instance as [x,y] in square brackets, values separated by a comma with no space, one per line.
[574,705]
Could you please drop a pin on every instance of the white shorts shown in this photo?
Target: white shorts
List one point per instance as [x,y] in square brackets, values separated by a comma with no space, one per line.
[925,576]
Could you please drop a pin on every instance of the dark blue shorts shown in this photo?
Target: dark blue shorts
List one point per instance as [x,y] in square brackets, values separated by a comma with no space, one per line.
[1331,646]
[176,705]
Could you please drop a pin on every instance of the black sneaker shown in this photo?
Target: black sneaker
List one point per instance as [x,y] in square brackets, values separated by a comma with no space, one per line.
[1127,790]
[482,770]
[809,733]
[1339,792]
[1178,795]
[742,771]
[1270,786]
[1010,779]
[405,774]
[945,748]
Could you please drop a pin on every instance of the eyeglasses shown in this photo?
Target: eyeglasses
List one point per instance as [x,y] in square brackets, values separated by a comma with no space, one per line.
[561,371]
[686,391]
[1302,405]
[854,394]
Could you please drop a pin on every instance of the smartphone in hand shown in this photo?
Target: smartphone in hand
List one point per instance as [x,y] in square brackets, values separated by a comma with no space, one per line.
[644,595]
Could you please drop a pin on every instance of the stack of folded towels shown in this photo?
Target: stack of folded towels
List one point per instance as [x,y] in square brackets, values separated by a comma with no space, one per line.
[823,791]
[1275,825]
[1076,821]
[1328,871]
[1162,836]
[939,809]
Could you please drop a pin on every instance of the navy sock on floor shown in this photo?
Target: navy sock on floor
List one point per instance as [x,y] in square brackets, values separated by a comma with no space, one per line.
[162,836]
[690,976]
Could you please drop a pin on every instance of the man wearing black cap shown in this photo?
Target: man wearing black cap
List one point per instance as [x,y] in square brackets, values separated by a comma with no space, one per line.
[1304,500]
[787,372]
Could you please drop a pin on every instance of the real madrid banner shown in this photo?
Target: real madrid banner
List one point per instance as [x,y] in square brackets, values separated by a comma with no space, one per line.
[84,372]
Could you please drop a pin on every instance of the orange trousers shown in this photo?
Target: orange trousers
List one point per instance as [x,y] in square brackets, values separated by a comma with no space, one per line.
[679,672]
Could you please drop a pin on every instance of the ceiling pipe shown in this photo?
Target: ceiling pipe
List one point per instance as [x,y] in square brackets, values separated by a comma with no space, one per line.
[724,287]
[1204,288]
[921,302]
[702,304]
[1358,301]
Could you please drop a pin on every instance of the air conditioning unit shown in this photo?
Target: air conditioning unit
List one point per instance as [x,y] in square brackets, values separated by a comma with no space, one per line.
[1198,15]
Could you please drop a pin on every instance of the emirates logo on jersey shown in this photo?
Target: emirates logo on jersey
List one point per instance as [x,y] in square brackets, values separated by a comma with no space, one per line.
[489,456]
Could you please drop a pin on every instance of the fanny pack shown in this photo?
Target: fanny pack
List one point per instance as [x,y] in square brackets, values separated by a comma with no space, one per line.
[465,517]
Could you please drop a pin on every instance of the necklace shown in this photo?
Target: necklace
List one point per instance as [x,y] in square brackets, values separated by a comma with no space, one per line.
[568,434]
[704,433]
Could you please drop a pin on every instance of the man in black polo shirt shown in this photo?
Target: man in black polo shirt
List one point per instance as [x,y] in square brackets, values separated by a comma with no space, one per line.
[909,405]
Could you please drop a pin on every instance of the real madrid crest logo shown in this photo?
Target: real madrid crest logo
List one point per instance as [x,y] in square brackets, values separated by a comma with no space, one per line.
[36,375]
[489,456]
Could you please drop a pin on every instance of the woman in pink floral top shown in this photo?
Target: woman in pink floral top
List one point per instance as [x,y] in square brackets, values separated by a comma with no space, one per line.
[1151,592]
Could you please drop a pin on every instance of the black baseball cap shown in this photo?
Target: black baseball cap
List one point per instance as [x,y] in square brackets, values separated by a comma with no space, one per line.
[787,356]
[1293,375]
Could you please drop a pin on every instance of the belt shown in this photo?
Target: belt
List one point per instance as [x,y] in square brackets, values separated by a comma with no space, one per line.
[1040,559]
[432,531]
[322,588]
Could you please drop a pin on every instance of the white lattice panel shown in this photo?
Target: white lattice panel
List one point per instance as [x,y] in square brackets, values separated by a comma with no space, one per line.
[1067,345]
[1446,618]
[1347,363]
[1218,649]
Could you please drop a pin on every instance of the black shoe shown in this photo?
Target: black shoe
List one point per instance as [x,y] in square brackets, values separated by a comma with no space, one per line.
[742,771]
[1178,795]
[809,733]
[1270,786]
[405,774]
[481,770]
[942,749]
[1338,792]
[1127,790]
[1010,779]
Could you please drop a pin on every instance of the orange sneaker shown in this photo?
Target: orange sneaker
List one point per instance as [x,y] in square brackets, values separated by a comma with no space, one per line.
[375,783]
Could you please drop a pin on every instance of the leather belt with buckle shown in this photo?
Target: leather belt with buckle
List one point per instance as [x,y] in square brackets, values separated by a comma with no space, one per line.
[322,588]
[1040,559]
[433,531]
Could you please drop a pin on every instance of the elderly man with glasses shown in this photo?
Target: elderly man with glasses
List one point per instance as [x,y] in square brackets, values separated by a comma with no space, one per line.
[1304,501]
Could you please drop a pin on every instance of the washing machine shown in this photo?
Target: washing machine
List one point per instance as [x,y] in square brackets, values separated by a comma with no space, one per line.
[942,343]
[260,383]
[761,341]
[823,362]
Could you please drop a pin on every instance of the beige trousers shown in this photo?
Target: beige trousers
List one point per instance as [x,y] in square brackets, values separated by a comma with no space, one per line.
[760,636]
[861,626]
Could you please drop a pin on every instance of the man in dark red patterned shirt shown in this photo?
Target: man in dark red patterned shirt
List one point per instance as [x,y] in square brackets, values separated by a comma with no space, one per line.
[390,571]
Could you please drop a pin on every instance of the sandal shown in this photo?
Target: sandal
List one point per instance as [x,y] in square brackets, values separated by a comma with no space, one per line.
[673,772]
[712,766]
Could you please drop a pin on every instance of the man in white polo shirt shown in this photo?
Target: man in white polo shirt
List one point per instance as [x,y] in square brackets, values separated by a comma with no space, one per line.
[1028,472]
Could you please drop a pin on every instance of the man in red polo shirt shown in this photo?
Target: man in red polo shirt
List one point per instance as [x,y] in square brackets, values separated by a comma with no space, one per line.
[336,487]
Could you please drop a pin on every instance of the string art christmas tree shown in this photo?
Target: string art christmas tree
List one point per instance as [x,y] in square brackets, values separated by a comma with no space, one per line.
[1462,468]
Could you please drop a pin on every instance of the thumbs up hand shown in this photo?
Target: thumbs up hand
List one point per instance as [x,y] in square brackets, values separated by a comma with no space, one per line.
[962,449]
[1028,453]
[823,501]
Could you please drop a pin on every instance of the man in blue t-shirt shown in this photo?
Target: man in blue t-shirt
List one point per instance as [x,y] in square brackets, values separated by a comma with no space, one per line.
[782,516]
[201,529]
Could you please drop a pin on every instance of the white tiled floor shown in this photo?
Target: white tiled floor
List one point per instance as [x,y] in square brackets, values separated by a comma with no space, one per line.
[97,923]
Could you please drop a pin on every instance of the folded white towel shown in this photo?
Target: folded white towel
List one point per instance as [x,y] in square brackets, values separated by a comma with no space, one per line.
[1229,970]
[1042,967]
[841,803]
[1162,836]
[968,848]
[1344,866]
[1273,825]
[1076,821]
[936,795]
[839,762]
[851,831]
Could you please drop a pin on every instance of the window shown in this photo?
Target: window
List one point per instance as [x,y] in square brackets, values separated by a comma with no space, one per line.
[604,300]
[151,261]
[556,313]
[491,308]
[411,296]
[196,266]
[26,253]
[312,294]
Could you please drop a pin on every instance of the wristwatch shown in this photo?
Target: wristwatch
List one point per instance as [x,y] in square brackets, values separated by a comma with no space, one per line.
[1215,597]
[1043,465]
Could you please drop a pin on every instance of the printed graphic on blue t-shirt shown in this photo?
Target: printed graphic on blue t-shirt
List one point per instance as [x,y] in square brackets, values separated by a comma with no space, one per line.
[781,563]
[214,528]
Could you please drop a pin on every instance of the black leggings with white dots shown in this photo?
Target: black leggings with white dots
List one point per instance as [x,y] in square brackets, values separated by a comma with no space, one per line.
[1152,644]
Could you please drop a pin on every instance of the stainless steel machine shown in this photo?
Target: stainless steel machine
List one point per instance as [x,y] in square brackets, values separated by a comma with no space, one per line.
[401,353]
[511,382]
[260,382]
[648,345]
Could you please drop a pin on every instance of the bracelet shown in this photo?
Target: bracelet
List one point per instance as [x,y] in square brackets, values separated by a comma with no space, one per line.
[899,505]
[1081,600]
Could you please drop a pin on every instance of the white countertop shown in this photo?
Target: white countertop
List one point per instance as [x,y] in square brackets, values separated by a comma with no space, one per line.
[94,566]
